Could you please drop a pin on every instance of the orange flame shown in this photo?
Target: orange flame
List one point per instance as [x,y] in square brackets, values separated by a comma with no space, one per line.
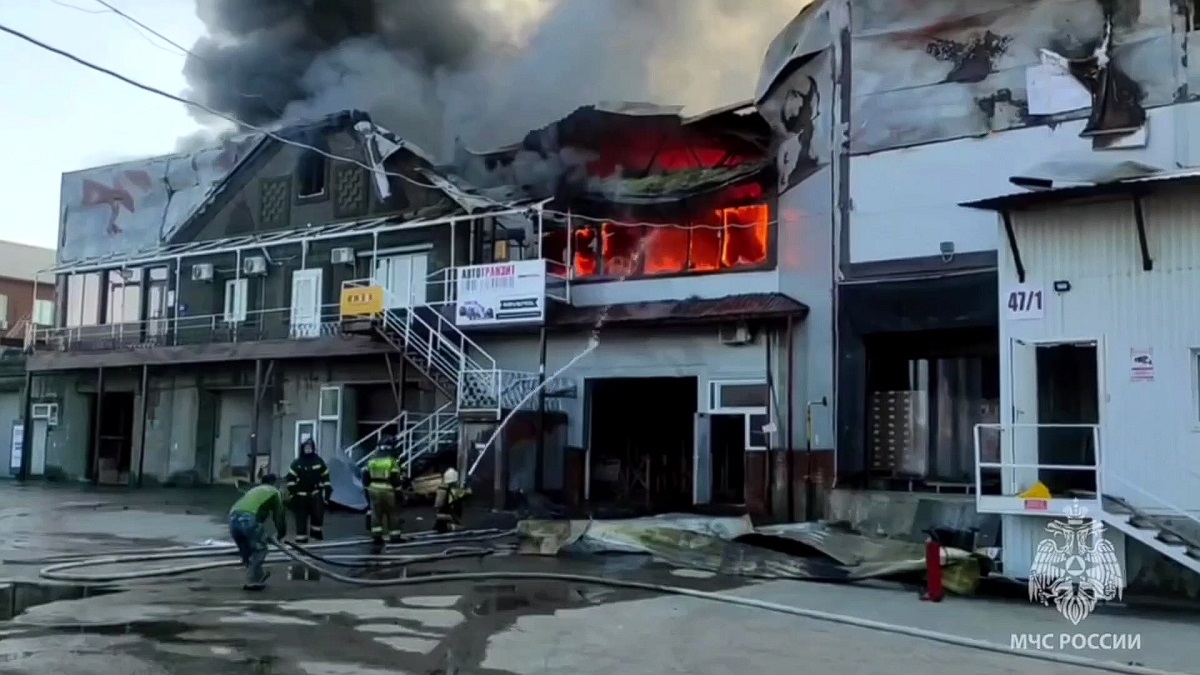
[725,239]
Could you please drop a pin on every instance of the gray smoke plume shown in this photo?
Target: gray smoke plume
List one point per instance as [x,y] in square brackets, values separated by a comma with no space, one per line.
[485,71]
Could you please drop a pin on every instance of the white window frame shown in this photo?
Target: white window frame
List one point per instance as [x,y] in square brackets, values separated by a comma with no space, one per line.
[38,319]
[236,294]
[4,312]
[325,415]
[309,427]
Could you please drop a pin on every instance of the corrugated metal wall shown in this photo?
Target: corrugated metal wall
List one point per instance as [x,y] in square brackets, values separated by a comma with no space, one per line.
[1150,430]
[1020,536]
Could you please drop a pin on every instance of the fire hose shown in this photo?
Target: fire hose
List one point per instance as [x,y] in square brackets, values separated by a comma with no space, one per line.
[59,568]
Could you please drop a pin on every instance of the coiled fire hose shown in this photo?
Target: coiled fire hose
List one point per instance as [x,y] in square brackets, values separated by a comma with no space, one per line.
[59,568]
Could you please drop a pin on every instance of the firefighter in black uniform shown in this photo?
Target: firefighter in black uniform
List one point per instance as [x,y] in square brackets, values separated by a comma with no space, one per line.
[309,489]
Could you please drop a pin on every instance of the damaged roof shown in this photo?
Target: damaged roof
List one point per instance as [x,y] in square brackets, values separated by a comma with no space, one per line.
[690,310]
[137,206]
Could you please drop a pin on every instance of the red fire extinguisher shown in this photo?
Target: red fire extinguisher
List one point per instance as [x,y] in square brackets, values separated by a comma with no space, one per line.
[934,592]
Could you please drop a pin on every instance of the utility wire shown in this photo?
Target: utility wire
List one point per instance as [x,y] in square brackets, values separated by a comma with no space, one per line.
[179,99]
[282,139]
[183,49]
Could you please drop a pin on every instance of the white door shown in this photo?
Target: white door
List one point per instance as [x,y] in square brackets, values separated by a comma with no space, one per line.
[37,453]
[1020,444]
[403,277]
[702,461]
[306,303]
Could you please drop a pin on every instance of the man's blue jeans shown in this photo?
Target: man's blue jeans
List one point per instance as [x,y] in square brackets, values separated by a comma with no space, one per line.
[251,539]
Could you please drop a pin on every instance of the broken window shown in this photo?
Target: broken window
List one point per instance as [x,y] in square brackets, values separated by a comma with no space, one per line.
[311,174]
[724,239]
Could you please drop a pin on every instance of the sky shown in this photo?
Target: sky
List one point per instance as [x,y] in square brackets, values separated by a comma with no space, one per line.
[59,116]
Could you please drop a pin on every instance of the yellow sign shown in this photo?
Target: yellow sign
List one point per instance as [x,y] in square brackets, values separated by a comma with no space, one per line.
[362,301]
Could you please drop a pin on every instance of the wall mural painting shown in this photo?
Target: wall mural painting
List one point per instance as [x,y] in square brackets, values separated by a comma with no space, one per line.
[933,70]
[134,206]
[799,110]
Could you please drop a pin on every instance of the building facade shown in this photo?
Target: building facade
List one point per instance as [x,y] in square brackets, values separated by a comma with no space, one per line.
[1099,368]
[276,293]
[901,114]
[23,301]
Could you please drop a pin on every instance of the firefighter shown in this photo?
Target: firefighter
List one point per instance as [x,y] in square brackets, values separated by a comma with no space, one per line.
[309,490]
[449,502]
[384,485]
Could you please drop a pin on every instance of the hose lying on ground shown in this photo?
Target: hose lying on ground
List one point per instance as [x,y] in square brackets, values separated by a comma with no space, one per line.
[305,556]
[61,571]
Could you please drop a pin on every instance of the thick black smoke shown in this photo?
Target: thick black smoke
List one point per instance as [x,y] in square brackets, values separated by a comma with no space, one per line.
[482,70]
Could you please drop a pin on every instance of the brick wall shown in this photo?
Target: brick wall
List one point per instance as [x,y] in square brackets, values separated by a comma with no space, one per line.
[20,303]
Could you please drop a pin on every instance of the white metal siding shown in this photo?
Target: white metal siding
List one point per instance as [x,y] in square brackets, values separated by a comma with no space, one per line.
[1149,430]
[1020,536]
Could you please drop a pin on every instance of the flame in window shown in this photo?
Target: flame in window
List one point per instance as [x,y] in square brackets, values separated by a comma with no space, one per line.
[725,239]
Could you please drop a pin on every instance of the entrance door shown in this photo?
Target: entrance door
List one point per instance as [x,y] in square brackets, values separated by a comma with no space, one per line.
[306,303]
[702,461]
[1020,444]
[37,451]
[404,279]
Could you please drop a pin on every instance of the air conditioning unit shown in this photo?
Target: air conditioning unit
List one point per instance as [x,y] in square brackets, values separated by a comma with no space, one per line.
[343,255]
[254,265]
[202,272]
[735,334]
[45,411]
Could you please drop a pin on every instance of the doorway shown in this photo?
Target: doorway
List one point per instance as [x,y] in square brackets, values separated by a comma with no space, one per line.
[111,437]
[404,279]
[728,446]
[642,440]
[1056,391]
[306,303]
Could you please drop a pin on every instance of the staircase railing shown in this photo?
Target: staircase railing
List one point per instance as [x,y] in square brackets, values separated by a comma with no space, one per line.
[434,430]
[454,361]
[399,421]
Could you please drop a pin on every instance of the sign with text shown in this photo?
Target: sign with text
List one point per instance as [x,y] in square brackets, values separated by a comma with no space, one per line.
[361,301]
[504,293]
[1024,301]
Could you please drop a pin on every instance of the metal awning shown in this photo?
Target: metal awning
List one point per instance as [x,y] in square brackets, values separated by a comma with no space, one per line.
[370,226]
[1128,187]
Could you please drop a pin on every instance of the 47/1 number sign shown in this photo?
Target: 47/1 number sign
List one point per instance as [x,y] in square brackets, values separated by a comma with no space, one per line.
[1025,302]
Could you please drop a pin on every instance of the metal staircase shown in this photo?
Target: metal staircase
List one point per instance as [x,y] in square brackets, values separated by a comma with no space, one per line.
[478,389]
[1167,529]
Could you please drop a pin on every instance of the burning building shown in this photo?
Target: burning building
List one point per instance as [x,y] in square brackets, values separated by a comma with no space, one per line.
[233,302]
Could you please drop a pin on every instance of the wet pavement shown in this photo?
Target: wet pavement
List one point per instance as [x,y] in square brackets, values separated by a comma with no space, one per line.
[302,625]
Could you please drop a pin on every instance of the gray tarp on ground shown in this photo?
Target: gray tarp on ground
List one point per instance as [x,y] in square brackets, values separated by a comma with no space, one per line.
[733,546]
[347,484]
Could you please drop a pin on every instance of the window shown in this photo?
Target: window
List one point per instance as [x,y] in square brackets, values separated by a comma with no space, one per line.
[124,296]
[311,174]
[83,300]
[43,312]
[4,311]
[756,435]
[738,396]
[157,295]
[236,291]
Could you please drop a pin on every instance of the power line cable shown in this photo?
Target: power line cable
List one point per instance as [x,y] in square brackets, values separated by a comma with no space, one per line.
[287,141]
[212,111]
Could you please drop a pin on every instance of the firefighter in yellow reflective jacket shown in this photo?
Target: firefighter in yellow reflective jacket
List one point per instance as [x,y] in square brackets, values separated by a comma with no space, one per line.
[449,501]
[384,485]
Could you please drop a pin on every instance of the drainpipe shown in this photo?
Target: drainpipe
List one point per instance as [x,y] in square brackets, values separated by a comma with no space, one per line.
[99,415]
[145,421]
[27,429]
[256,420]
[790,415]
[540,455]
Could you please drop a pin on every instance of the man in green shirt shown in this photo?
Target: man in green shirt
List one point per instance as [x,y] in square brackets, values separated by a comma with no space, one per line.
[247,521]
